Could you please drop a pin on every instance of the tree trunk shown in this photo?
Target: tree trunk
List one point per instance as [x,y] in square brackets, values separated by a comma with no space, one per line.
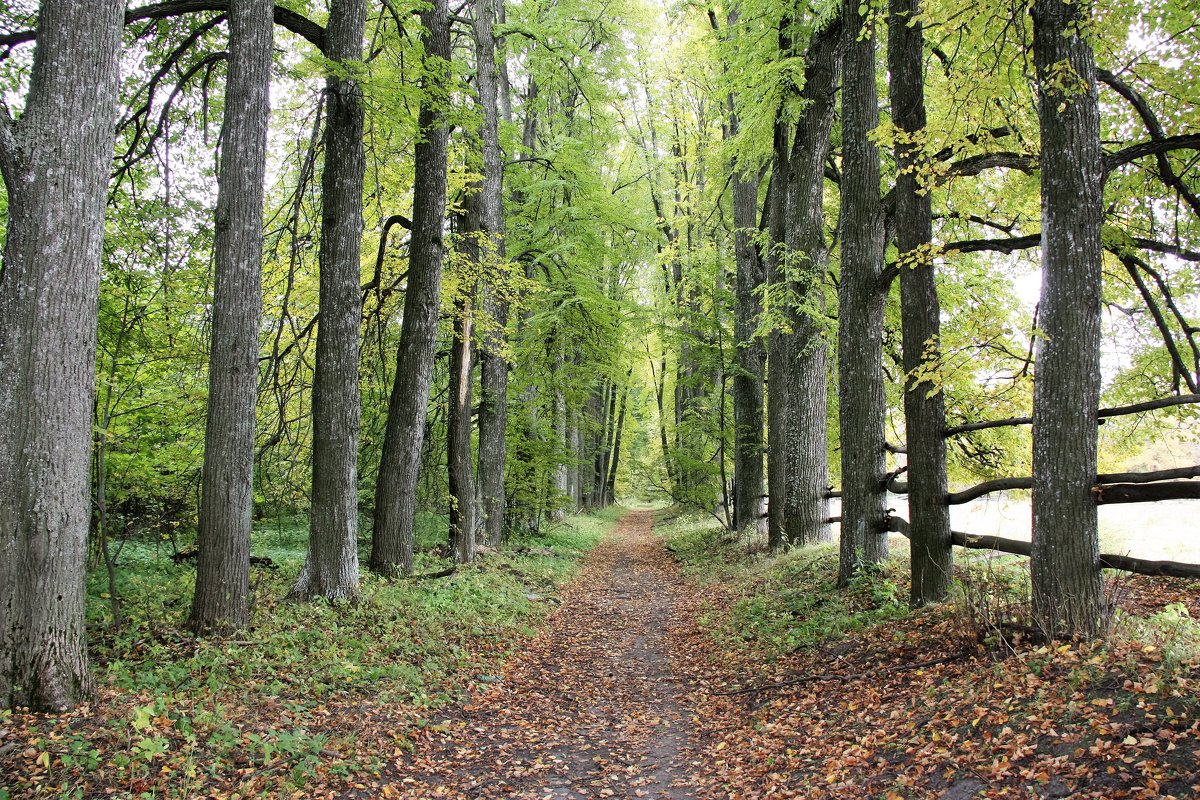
[749,357]
[575,439]
[331,568]
[860,307]
[778,344]
[806,504]
[1067,592]
[55,161]
[458,436]
[493,401]
[610,482]
[222,599]
[562,436]
[932,556]
[396,487]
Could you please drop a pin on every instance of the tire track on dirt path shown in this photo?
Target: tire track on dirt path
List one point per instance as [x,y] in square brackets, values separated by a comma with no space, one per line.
[593,707]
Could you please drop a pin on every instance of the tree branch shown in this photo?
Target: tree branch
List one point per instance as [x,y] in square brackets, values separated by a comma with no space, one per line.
[284,17]
[1165,172]
[1005,245]
[1140,566]
[1119,411]
[1154,147]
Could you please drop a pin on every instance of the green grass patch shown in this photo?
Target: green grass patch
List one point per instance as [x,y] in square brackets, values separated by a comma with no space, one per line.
[285,700]
[784,602]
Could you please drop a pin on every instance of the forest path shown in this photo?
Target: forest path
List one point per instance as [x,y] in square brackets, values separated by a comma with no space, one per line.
[594,707]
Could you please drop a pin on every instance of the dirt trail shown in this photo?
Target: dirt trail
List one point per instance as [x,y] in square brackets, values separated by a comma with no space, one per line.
[593,708]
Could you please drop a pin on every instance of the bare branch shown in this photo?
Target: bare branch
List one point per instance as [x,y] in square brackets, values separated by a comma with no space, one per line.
[284,17]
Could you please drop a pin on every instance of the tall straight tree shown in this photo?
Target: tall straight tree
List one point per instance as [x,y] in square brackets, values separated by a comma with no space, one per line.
[805,360]
[1067,590]
[924,403]
[461,472]
[860,304]
[749,355]
[493,401]
[396,486]
[55,160]
[331,569]
[221,600]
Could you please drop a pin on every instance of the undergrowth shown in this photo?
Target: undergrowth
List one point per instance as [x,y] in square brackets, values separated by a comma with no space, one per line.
[785,602]
[279,704]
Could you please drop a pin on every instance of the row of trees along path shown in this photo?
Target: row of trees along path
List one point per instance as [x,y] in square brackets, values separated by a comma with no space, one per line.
[613,192]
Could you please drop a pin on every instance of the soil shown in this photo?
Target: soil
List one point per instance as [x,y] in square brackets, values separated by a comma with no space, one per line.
[596,705]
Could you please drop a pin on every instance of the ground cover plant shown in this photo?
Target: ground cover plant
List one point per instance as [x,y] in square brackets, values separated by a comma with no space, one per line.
[848,694]
[303,695]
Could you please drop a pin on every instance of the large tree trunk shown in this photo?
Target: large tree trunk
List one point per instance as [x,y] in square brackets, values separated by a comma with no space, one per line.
[331,569]
[493,401]
[221,601]
[749,358]
[924,404]
[396,486]
[860,306]
[1067,591]
[806,504]
[798,359]
[55,162]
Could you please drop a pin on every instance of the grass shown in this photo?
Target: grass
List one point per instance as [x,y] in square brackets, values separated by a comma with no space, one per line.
[292,699]
[781,603]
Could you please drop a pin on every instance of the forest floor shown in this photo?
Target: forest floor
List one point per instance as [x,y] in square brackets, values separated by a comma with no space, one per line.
[677,663]
[598,705]
[654,681]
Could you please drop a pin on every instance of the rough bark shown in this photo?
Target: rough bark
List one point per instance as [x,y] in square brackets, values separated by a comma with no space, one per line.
[395,488]
[806,505]
[749,358]
[55,162]
[493,400]
[1067,591]
[860,307]
[932,556]
[331,568]
[222,599]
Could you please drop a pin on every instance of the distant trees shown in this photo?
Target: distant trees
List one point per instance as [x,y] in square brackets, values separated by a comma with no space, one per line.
[55,161]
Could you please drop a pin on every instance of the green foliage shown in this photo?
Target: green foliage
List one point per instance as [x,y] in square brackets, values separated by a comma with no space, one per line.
[283,698]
